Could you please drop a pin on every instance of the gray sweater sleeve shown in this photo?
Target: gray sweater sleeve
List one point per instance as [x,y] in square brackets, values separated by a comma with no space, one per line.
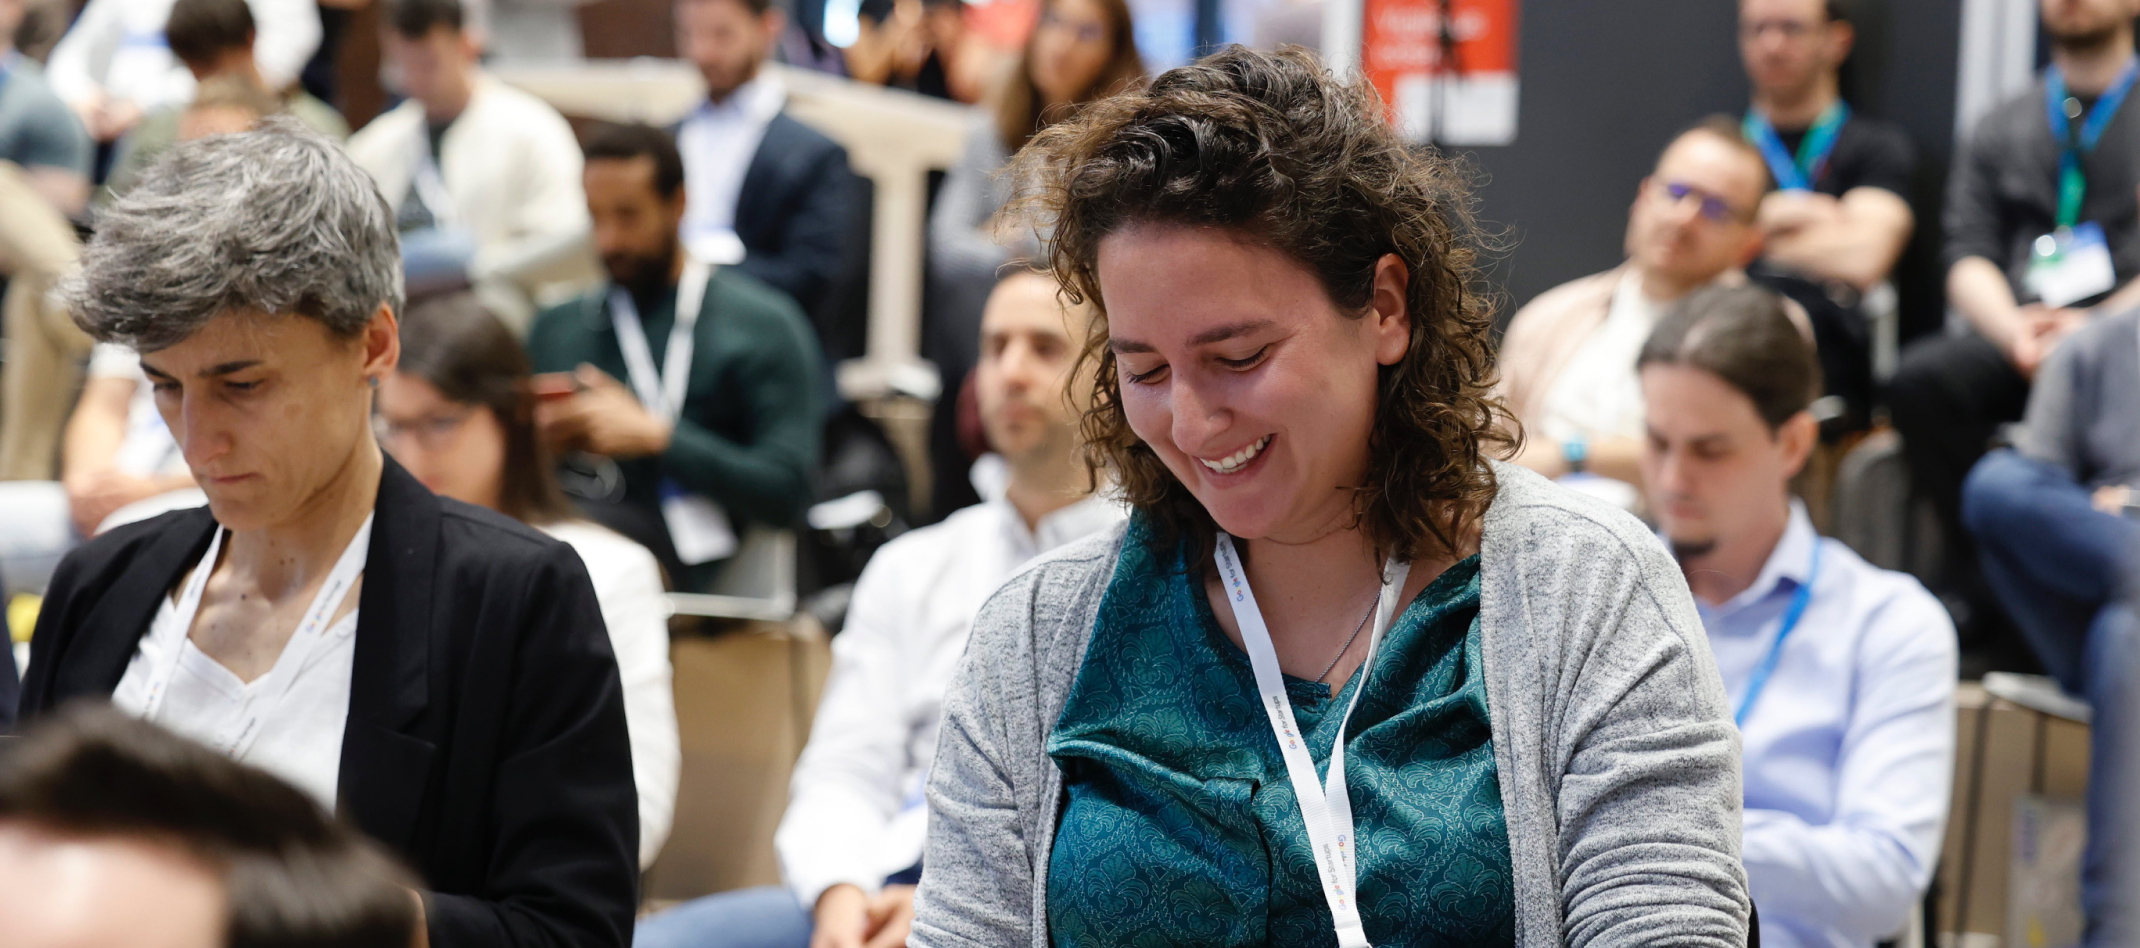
[977,832]
[1625,757]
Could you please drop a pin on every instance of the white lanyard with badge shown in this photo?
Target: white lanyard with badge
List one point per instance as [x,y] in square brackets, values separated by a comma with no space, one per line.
[1327,810]
[698,527]
[314,632]
[2072,262]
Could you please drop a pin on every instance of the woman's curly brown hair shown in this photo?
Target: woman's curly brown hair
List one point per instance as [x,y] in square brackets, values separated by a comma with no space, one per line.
[1271,146]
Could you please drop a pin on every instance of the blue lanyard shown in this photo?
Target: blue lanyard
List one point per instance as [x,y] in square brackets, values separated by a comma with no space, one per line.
[1791,614]
[1797,172]
[2072,183]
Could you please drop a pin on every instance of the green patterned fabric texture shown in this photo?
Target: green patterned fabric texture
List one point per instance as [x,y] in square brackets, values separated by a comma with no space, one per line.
[1180,827]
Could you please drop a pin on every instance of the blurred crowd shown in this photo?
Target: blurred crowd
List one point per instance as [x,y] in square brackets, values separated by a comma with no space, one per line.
[626,337]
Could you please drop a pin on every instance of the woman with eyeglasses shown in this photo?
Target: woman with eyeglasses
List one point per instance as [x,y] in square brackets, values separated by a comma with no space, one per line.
[1342,679]
[458,413]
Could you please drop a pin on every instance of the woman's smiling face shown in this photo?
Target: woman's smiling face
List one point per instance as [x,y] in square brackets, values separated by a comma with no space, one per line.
[1244,377]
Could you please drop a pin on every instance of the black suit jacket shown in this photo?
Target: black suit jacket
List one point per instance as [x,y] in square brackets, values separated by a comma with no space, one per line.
[796,212]
[485,741]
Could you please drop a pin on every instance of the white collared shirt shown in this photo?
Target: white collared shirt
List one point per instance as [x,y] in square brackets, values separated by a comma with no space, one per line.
[717,141]
[1848,752]
[855,812]
[300,740]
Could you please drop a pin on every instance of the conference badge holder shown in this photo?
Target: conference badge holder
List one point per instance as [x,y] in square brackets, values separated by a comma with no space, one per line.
[2070,264]
[698,527]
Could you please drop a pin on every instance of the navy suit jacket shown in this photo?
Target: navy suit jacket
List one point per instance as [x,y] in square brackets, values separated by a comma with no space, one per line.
[796,213]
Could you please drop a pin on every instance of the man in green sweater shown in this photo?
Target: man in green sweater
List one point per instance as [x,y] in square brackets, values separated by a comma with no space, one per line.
[712,420]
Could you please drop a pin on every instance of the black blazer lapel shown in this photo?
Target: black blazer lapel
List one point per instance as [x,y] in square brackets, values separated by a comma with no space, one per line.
[96,654]
[385,769]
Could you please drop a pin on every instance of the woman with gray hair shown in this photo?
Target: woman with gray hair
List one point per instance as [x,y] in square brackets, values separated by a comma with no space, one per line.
[435,672]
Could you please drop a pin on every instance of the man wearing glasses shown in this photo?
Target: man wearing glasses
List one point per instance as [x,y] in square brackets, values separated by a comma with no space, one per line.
[1837,219]
[1568,361]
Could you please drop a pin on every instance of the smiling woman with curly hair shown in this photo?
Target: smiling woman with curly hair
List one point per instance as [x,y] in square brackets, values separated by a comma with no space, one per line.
[1343,678]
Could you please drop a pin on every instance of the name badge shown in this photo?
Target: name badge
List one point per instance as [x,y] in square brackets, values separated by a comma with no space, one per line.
[698,527]
[2070,264]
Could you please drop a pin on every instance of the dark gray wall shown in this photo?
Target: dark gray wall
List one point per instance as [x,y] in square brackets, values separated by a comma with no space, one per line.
[1606,83]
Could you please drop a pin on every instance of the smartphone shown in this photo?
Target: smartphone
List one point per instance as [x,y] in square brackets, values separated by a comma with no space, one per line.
[555,386]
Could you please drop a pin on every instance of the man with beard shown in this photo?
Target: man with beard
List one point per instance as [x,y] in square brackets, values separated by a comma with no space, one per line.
[850,843]
[2042,235]
[1841,674]
[693,388]
[1568,361]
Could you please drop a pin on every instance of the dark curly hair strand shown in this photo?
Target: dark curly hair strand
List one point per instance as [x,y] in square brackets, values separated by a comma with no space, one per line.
[1272,147]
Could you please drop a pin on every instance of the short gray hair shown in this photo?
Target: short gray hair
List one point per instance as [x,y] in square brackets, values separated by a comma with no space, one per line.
[276,220]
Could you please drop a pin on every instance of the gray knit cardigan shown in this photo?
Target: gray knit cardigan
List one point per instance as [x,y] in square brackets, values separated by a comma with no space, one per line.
[1618,760]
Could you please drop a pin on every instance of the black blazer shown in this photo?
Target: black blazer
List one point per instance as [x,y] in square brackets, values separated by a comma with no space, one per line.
[796,212]
[485,742]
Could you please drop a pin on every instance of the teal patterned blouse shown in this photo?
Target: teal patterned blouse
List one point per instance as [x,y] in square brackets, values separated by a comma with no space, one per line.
[1180,827]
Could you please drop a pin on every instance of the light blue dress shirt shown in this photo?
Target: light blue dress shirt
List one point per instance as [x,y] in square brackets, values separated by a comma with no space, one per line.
[1849,750]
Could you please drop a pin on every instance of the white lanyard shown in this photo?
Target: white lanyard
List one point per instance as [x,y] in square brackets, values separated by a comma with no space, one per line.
[312,632]
[1326,810]
[661,390]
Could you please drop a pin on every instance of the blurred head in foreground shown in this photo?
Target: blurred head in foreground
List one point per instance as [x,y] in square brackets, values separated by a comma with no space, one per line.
[116,832]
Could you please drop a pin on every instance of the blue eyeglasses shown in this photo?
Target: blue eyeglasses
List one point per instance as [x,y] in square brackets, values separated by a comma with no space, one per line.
[1713,208]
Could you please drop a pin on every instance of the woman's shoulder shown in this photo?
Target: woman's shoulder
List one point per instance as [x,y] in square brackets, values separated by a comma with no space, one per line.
[1535,523]
[1045,609]
[163,545]
[479,539]
[605,552]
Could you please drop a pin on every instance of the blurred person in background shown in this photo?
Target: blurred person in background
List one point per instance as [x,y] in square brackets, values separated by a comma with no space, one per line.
[459,413]
[694,387]
[1079,51]
[1287,353]
[2042,235]
[918,45]
[1568,360]
[435,672]
[769,194]
[1839,216]
[117,454]
[115,65]
[1838,211]
[214,40]
[2056,521]
[1841,674]
[533,33]
[38,248]
[850,842]
[37,131]
[117,832]
[483,178]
